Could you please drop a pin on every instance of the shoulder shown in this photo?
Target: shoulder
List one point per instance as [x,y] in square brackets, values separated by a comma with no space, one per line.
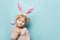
[14,29]
[25,28]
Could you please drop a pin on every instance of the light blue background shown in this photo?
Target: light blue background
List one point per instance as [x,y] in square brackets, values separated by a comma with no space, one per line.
[45,19]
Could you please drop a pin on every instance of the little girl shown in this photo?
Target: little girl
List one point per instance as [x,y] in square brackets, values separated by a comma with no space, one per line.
[20,32]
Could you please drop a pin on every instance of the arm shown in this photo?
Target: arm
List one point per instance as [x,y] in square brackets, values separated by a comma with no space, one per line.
[27,34]
[14,35]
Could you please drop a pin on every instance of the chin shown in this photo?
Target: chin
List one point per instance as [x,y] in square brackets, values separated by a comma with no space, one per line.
[20,26]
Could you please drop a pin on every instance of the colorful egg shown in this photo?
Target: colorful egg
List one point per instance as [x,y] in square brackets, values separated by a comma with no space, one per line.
[12,22]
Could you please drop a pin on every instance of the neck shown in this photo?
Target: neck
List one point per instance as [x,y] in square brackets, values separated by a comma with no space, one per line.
[19,27]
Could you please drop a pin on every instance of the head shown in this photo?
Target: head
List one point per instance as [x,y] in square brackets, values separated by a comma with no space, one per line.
[21,20]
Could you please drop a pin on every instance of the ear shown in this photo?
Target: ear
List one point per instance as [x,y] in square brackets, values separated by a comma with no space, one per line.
[28,19]
[20,7]
[30,10]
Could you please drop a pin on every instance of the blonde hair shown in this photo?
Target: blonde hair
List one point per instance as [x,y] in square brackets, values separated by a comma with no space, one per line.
[21,15]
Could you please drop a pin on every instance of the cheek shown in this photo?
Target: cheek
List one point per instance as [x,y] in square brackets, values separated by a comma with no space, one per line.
[23,23]
[17,22]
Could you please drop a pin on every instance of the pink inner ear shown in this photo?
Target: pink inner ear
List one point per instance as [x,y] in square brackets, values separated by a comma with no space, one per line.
[30,10]
[20,7]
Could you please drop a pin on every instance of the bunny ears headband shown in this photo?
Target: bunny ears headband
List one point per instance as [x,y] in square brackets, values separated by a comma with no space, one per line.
[21,10]
[28,11]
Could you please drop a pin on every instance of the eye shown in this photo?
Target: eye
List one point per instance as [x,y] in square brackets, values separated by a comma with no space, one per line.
[19,20]
[23,21]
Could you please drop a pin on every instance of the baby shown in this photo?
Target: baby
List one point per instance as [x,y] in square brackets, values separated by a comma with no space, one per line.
[20,32]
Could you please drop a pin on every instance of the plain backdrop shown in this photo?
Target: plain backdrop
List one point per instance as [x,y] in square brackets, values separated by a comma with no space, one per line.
[45,19]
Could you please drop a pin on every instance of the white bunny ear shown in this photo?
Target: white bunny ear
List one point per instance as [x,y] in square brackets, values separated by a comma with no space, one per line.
[20,6]
[30,10]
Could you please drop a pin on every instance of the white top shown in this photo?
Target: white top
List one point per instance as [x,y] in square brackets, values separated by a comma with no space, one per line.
[20,34]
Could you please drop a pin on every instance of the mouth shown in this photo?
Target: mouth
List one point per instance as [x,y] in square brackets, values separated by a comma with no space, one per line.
[20,25]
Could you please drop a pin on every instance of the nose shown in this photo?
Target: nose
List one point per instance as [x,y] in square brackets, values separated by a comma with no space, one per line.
[20,22]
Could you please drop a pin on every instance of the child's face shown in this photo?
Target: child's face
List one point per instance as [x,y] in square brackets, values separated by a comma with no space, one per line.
[20,22]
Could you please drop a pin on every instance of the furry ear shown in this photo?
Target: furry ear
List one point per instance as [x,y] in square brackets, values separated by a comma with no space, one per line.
[28,20]
[20,7]
[30,10]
